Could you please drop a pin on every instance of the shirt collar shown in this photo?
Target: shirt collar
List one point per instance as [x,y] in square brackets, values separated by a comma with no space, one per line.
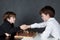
[51,19]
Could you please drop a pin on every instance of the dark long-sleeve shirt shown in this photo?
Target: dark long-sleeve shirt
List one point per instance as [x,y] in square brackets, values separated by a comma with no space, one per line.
[9,28]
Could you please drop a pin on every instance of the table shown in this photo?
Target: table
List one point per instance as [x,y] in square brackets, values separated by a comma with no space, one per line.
[25,36]
[37,37]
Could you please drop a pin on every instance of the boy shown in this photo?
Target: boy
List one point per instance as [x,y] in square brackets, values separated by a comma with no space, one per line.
[47,14]
[7,27]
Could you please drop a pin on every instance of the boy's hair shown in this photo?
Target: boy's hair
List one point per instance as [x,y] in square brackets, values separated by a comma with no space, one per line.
[8,15]
[48,10]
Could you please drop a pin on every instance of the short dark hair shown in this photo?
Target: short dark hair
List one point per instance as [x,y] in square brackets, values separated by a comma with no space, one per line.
[8,14]
[48,10]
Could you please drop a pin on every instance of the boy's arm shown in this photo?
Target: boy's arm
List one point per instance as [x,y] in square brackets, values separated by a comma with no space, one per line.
[37,25]
[14,30]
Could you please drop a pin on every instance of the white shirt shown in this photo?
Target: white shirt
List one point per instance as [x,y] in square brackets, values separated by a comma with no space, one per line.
[52,28]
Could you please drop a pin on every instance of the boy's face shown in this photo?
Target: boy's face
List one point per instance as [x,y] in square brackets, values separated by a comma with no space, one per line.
[45,17]
[11,19]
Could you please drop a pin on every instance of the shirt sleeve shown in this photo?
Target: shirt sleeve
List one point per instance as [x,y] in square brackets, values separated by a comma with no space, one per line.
[15,29]
[38,25]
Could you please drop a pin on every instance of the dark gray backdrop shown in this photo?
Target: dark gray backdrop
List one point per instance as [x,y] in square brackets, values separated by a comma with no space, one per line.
[28,10]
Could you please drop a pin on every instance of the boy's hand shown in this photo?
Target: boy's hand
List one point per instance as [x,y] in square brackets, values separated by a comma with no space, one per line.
[7,34]
[24,27]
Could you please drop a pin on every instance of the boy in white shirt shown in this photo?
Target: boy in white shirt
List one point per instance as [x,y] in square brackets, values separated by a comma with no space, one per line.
[52,26]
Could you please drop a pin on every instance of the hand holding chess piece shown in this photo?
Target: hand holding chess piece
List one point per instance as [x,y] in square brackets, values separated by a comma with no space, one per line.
[24,27]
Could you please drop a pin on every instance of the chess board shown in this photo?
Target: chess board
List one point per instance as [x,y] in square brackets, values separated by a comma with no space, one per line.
[25,34]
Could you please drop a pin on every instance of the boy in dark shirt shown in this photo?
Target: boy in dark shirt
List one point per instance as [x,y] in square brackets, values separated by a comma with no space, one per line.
[7,27]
